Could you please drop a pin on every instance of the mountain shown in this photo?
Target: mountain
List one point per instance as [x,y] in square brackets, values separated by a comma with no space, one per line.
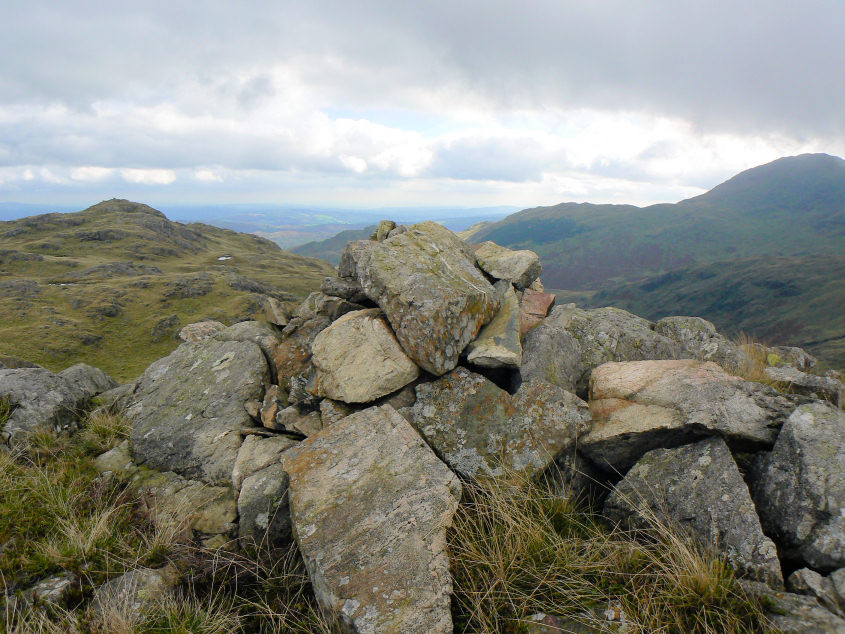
[111,285]
[786,216]
[332,248]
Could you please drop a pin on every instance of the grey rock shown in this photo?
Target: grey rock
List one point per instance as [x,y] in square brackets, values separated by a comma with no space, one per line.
[87,381]
[130,594]
[479,429]
[263,513]
[811,583]
[358,359]
[200,330]
[699,340]
[642,405]
[332,411]
[520,268]
[52,591]
[116,400]
[384,229]
[791,356]
[819,387]
[426,282]
[165,327]
[344,288]
[370,505]
[795,613]
[290,419]
[15,363]
[498,345]
[256,453]
[699,489]
[275,312]
[292,356]
[570,342]
[261,333]
[399,230]
[322,305]
[799,488]
[188,408]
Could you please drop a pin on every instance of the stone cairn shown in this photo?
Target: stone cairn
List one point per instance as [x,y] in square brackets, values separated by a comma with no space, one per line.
[349,423]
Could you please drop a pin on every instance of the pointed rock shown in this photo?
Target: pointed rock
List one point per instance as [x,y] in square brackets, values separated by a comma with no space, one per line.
[370,504]
[497,345]
[426,283]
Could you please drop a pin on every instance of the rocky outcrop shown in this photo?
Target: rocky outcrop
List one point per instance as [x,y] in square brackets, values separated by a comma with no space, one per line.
[481,430]
[188,412]
[520,268]
[358,359]
[200,330]
[370,504]
[426,282]
[699,489]
[799,488]
[642,405]
[818,387]
[699,340]
[498,345]
[795,613]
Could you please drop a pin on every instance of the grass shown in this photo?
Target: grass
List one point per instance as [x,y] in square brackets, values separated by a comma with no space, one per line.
[518,550]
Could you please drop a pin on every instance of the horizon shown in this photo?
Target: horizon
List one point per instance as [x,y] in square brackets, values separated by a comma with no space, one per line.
[420,104]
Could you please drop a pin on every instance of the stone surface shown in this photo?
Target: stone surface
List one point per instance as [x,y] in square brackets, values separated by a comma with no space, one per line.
[819,387]
[88,381]
[426,283]
[497,345]
[811,583]
[345,289]
[799,488]
[263,513]
[520,268]
[384,229]
[200,330]
[699,340]
[370,505]
[52,591]
[130,594]
[332,411]
[570,342]
[358,359]
[273,402]
[290,419]
[642,405]
[533,308]
[698,488]
[256,453]
[795,613]
[479,429]
[275,312]
[792,356]
[293,355]
[188,408]
[263,334]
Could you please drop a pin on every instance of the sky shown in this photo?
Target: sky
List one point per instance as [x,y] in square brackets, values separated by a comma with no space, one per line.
[368,104]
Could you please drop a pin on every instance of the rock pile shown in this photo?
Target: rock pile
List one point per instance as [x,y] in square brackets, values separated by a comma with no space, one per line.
[349,425]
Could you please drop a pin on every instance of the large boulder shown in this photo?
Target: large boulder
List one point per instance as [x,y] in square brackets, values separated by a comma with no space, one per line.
[261,333]
[699,489]
[358,359]
[88,381]
[481,430]
[497,345]
[426,282]
[520,268]
[799,488]
[370,505]
[699,340]
[188,411]
[570,342]
[642,405]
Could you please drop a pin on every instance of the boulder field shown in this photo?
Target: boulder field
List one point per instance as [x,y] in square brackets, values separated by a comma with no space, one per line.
[350,425]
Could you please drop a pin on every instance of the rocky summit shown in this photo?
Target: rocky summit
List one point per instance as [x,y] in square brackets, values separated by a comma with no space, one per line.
[350,426]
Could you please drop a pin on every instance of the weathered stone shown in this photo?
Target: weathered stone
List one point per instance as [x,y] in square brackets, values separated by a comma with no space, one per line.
[533,308]
[256,453]
[358,359]
[263,513]
[426,283]
[293,355]
[795,613]
[699,340]
[275,312]
[642,405]
[273,402]
[570,342]
[384,229]
[792,356]
[818,387]
[87,381]
[799,488]
[264,335]
[188,409]
[520,268]
[165,328]
[332,411]
[322,305]
[400,229]
[370,505]
[811,583]
[479,429]
[345,289]
[130,594]
[200,330]
[291,419]
[15,363]
[497,345]
[698,488]
[117,399]
[52,591]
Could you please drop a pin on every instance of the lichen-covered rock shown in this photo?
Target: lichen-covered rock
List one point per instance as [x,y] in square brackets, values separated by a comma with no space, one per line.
[384,229]
[795,613]
[497,345]
[699,489]
[799,488]
[699,340]
[479,429]
[87,381]
[263,513]
[293,355]
[263,334]
[344,288]
[188,409]
[820,387]
[811,583]
[256,453]
[53,591]
[127,596]
[200,330]
[290,419]
[520,268]
[426,282]
[533,308]
[358,359]
[570,342]
[642,405]
[275,312]
[370,505]
[792,356]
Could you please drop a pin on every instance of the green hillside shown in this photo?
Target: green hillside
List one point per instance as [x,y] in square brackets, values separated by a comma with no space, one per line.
[332,248]
[111,285]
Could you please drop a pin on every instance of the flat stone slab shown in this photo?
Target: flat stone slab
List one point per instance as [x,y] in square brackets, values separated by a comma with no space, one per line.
[188,411]
[800,487]
[520,268]
[498,345]
[358,359]
[370,504]
[642,405]
[481,430]
[533,308]
[426,282]
[699,489]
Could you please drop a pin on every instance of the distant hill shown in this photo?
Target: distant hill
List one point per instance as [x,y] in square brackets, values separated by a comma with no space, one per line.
[332,248]
[103,285]
[785,218]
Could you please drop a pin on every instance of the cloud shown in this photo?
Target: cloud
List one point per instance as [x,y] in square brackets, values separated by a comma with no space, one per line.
[148,176]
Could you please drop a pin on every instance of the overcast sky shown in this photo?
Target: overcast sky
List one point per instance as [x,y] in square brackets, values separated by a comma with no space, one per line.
[410,102]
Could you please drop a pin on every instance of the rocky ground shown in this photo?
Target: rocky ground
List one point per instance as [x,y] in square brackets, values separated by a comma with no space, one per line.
[359,426]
